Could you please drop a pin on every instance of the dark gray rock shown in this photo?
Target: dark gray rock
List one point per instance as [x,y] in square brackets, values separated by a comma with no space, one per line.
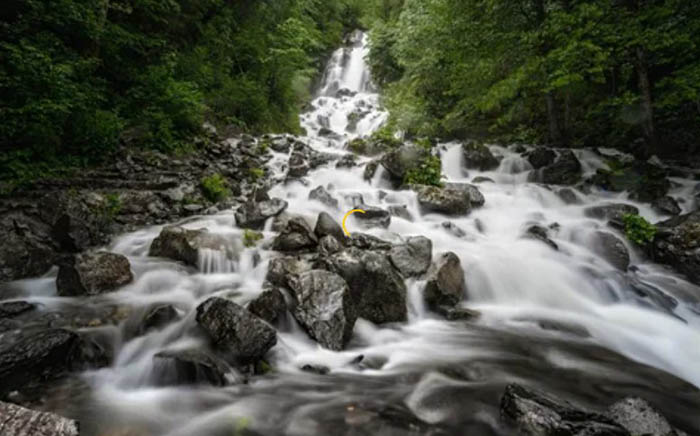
[566,170]
[482,179]
[328,246]
[281,267]
[15,308]
[373,217]
[541,157]
[542,234]
[327,226]
[18,421]
[299,165]
[297,235]
[400,212]
[158,317]
[537,414]
[93,274]
[453,229]
[640,418]
[413,257]
[612,249]
[457,313]
[476,155]
[270,305]
[178,243]
[376,287]
[192,366]
[476,198]
[446,285]
[568,196]
[643,180]
[364,241]
[611,211]
[234,330]
[370,170]
[253,214]
[316,369]
[322,195]
[677,244]
[443,200]
[27,249]
[324,307]
[666,205]
[403,159]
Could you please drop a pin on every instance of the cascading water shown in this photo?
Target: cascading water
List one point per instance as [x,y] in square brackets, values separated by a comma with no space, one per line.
[612,337]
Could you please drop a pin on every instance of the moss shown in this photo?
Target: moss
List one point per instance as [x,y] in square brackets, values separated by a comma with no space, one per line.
[251,237]
[639,230]
[256,173]
[215,188]
[429,172]
[358,145]
[264,146]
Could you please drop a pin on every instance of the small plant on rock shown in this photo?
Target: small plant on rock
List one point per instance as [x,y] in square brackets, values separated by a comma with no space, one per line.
[638,230]
[251,237]
[215,188]
[429,172]
[256,173]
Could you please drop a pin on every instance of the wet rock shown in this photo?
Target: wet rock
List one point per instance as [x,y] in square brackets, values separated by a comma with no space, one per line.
[677,244]
[328,245]
[158,317]
[93,274]
[74,225]
[364,241]
[18,421]
[403,159]
[453,229]
[476,155]
[476,198]
[612,249]
[644,181]
[413,257]
[376,287]
[666,205]
[325,308]
[254,214]
[446,285]
[568,196]
[194,366]
[640,418]
[482,179]
[297,235]
[537,414]
[327,226]
[457,313]
[178,243]
[443,200]
[566,170]
[27,249]
[347,161]
[234,330]
[370,170]
[542,234]
[298,165]
[270,305]
[32,358]
[322,195]
[15,308]
[564,327]
[355,199]
[316,369]
[541,157]
[611,211]
[373,217]
[281,267]
[400,212]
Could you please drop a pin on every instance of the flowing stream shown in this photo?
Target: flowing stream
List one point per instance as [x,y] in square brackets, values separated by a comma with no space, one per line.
[565,321]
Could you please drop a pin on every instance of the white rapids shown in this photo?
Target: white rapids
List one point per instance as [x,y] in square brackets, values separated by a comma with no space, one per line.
[514,282]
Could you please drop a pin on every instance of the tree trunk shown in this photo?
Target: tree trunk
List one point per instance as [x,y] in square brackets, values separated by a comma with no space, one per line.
[555,136]
[647,103]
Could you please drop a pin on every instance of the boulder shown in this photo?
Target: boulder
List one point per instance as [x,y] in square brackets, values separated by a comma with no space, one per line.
[644,181]
[18,421]
[482,179]
[568,196]
[184,245]
[413,257]
[400,212]
[15,308]
[476,198]
[541,157]
[75,226]
[322,195]
[328,246]
[373,217]
[476,155]
[612,249]
[93,274]
[677,244]
[270,305]
[324,307]
[536,414]
[611,211]
[364,241]
[666,205]
[158,317]
[253,214]
[542,234]
[298,164]
[297,235]
[446,285]
[403,159]
[27,249]
[327,226]
[566,170]
[443,200]
[640,418]
[280,267]
[234,330]
[370,170]
[376,287]
[193,366]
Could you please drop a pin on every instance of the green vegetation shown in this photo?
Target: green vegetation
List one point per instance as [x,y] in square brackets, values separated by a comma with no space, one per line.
[569,72]
[639,230]
[428,173]
[251,237]
[256,173]
[78,78]
[215,188]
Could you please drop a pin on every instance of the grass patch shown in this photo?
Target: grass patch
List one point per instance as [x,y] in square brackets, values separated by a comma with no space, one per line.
[639,230]
[429,172]
[251,238]
[215,188]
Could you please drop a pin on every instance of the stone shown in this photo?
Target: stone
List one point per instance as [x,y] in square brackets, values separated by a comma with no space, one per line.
[568,196]
[612,249]
[328,246]
[298,165]
[640,418]
[253,214]
[476,155]
[327,226]
[443,200]
[322,195]
[566,170]
[666,205]
[193,366]
[19,421]
[373,217]
[296,236]
[476,198]
[446,285]
[482,179]
[542,234]
[400,212]
[611,211]
[677,244]
[280,267]
[15,308]
[541,157]
[269,306]
[184,245]
[412,258]
[158,317]
[93,274]
[400,161]
[324,307]
[234,330]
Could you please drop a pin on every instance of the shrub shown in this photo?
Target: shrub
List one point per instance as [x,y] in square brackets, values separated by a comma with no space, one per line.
[638,230]
[215,188]
[429,172]
[251,237]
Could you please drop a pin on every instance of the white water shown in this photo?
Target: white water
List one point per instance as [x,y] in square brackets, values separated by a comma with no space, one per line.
[513,281]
